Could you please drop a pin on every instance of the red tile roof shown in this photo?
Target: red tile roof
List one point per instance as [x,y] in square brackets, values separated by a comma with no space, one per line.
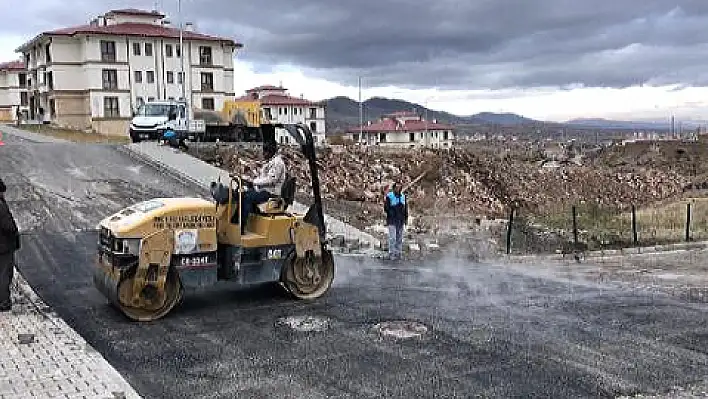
[17,65]
[275,99]
[134,29]
[393,125]
[135,11]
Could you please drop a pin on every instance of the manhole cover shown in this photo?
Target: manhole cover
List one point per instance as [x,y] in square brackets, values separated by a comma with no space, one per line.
[305,323]
[401,329]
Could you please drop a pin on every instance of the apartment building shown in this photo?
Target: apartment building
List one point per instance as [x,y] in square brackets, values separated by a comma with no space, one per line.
[13,90]
[277,106]
[404,129]
[94,76]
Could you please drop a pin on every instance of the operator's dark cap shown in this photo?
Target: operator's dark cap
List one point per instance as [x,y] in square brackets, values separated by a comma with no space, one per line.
[3,187]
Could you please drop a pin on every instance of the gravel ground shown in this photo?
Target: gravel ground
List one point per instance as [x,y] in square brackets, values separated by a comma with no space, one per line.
[472,329]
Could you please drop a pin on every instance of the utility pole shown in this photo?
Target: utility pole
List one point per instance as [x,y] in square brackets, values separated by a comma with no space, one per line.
[361,115]
[181,52]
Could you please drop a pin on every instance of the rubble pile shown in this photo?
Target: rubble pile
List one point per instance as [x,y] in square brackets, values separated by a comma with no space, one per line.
[462,181]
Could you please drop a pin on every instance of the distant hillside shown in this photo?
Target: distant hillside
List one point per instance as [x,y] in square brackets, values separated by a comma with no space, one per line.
[502,119]
[599,123]
[343,112]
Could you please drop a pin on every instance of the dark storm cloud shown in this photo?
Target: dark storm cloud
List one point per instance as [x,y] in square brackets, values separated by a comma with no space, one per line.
[466,44]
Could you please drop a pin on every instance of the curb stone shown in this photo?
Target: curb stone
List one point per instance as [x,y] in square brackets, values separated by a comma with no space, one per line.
[32,328]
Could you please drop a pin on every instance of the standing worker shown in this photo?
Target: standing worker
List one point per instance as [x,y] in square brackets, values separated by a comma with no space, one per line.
[9,243]
[396,210]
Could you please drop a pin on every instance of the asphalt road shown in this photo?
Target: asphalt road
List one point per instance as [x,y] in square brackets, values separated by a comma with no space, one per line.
[492,330]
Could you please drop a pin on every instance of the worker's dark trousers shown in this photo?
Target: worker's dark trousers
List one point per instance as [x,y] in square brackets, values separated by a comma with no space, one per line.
[251,198]
[7,261]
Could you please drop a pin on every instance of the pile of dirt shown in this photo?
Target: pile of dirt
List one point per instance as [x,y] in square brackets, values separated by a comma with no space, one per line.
[464,181]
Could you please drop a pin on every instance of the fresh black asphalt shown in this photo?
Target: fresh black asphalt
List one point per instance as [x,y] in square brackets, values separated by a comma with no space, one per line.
[493,330]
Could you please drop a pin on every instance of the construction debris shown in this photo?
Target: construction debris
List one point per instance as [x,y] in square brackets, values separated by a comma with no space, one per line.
[464,181]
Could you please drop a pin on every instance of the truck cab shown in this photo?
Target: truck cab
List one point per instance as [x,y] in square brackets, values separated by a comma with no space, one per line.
[153,118]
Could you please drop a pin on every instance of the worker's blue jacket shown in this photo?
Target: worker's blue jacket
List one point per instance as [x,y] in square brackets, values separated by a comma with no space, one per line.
[168,134]
[396,209]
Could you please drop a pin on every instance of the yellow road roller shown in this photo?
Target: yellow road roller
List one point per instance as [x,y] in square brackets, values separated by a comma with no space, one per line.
[148,253]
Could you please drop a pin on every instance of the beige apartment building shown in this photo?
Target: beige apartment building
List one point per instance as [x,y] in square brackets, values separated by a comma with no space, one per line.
[13,91]
[94,76]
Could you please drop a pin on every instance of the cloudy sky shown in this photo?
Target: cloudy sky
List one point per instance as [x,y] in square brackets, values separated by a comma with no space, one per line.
[545,59]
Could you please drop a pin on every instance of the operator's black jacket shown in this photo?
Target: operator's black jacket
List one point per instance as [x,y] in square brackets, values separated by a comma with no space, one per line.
[9,234]
[396,209]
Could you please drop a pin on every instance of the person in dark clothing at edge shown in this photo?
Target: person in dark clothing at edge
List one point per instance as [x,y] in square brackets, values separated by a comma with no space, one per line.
[9,243]
[396,210]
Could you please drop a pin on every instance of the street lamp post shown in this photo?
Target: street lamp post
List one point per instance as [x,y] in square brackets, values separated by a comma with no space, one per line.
[181,51]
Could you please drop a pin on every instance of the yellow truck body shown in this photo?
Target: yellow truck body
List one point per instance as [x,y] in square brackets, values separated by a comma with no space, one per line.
[249,110]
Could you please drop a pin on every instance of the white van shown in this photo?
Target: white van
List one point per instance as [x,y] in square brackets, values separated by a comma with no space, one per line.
[153,118]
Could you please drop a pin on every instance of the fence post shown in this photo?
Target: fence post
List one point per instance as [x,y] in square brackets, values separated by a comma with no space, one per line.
[635,239]
[688,222]
[575,228]
[508,231]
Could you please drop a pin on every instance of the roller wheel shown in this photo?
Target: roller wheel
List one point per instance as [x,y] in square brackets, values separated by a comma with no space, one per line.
[156,305]
[309,277]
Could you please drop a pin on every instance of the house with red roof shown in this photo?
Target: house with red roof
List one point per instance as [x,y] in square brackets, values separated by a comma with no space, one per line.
[404,129]
[94,76]
[277,106]
[13,90]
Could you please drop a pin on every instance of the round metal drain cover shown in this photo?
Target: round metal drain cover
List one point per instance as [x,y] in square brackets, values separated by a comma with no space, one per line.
[401,329]
[305,323]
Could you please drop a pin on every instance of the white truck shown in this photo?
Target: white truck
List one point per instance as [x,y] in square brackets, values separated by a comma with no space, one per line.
[153,118]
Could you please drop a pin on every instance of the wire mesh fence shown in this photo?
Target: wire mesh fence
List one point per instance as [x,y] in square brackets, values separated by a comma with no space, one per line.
[589,227]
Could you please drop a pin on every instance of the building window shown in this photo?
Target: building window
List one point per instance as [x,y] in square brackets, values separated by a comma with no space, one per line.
[52,108]
[108,51]
[205,55]
[110,79]
[207,81]
[150,76]
[180,77]
[313,113]
[168,50]
[150,99]
[170,77]
[136,49]
[411,137]
[24,99]
[23,80]
[313,127]
[382,137]
[178,51]
[208,103]
[446,135]
[50,80]
[148,49]
[48,53]
[139,102]
[138,77]
[110,107]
